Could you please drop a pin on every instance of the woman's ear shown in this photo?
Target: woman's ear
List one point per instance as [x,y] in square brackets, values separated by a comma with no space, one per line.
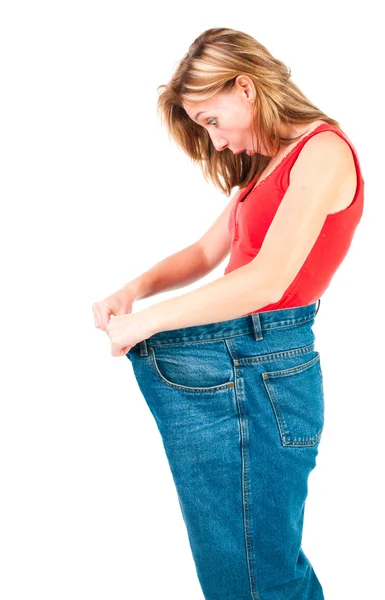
[246,87]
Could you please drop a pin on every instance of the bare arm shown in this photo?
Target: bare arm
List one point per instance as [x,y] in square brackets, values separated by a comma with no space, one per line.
[315,188]
[190,264]
[175,271]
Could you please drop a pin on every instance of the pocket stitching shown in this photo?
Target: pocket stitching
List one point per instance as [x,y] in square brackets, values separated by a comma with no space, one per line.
[180,387]
[291,370]
[278,355]
[282,426]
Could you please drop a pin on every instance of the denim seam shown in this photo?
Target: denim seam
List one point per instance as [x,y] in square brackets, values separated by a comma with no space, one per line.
[291,370]
[275,355]
[282,426]
[237,362]
[250,557]
[230,334]
[180,387]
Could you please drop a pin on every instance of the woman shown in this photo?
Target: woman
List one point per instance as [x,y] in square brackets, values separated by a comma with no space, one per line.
[229,370]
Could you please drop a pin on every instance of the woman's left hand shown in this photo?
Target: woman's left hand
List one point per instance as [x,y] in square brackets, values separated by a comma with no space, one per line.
[125,331]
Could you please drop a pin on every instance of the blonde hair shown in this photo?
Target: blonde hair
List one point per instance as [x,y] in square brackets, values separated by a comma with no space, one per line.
[211,65]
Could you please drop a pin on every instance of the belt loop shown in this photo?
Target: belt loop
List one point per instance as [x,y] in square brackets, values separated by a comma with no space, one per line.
[319,304]
[257,326]
[143,348]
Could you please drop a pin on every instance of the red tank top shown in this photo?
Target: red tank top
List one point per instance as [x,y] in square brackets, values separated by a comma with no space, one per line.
[250,220]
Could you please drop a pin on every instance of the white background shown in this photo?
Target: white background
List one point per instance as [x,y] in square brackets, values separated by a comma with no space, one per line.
[93,194]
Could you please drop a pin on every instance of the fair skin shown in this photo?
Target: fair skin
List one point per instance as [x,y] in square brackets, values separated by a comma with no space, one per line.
[322,181]
[227,118]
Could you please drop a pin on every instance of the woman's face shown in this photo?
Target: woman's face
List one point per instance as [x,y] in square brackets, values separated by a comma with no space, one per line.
[227,116]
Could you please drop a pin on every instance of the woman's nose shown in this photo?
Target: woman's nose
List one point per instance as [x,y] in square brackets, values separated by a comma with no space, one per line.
[220,144]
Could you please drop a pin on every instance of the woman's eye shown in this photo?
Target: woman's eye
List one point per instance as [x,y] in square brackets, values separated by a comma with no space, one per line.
[210,121]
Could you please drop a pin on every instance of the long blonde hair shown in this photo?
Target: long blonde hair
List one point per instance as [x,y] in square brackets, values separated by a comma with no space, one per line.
[211,65]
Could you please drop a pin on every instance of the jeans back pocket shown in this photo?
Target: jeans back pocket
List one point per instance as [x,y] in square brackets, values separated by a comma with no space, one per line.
[297,398]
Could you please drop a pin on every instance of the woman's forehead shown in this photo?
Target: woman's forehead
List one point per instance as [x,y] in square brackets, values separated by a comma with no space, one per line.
[193,108]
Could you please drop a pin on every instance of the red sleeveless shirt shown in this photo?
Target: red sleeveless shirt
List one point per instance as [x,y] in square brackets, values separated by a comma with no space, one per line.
[250,220]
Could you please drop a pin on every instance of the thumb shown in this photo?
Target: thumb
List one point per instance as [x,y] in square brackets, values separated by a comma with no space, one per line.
[105,316]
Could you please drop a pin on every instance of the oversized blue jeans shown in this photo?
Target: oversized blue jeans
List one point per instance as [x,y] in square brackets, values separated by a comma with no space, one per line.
[239,405]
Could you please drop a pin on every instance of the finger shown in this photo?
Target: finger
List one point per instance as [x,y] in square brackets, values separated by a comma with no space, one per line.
[104,318]
[102,314]
[96,320]
[99,317]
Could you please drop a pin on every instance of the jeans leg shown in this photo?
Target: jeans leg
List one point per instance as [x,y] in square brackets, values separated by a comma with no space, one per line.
[241,487]
[275,491]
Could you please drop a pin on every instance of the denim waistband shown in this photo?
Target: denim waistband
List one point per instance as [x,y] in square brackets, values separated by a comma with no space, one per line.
[255,323]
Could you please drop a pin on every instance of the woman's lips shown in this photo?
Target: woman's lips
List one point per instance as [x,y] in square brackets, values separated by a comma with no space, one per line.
[248,152]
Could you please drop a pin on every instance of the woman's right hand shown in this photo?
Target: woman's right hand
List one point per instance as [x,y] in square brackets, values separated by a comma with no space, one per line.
[119,303]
